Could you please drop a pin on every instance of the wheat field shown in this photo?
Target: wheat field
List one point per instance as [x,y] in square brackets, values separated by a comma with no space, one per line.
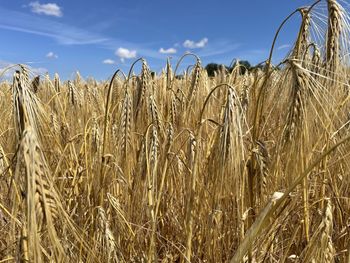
[239,167]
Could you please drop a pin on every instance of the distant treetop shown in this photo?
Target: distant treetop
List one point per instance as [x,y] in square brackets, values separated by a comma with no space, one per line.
[245,65]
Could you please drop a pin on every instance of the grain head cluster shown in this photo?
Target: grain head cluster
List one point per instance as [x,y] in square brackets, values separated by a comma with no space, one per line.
[239,167]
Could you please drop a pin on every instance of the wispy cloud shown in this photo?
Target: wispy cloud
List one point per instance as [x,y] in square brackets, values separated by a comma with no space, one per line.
[167,51]
[108,61]
[219,47]
[254,56]
[51,55]
[124,53]
[191,44]
[62,33]
[49,9]
[284,46]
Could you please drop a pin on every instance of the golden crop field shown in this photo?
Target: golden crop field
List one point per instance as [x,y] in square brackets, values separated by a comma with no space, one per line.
[235,167]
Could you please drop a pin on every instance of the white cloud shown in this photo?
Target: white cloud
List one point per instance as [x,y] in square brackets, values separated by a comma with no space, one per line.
[51,55]
[108,61]
[283,46]
[124,53]
[191,44]
[167,51]
[49,9]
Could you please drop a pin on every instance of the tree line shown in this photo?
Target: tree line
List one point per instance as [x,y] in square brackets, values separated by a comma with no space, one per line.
[245,65]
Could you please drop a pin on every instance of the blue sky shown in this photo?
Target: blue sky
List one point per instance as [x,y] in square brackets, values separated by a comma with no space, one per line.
[97,37]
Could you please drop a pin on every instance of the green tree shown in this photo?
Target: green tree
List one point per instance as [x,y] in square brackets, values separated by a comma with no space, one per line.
[211,68]
[244,66]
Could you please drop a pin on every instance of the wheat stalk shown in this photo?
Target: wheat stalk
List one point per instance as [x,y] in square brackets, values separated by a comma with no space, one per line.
[41,200]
